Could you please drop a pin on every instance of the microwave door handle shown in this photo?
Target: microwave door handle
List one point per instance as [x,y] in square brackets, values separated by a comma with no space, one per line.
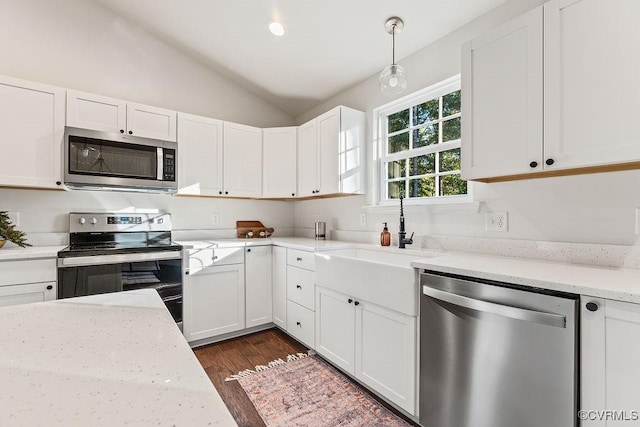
[160,155]
[547,319]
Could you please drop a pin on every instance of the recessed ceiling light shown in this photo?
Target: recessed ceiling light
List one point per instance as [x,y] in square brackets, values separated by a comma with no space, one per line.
[276,29]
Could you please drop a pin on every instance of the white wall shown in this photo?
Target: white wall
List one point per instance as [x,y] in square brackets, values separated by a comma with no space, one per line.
[81,45]
[47,211]
[598,208]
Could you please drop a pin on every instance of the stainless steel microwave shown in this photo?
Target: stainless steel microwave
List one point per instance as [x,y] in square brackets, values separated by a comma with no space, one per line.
[111,161]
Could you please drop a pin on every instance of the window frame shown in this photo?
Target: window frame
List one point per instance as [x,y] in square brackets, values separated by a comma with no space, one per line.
[380,123]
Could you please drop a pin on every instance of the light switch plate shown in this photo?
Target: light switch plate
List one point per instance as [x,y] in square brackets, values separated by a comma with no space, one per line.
[497,221]
[363,219]
[215,218]
[637,220]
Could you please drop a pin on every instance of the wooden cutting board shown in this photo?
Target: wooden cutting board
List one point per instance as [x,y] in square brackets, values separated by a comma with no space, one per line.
[255,227]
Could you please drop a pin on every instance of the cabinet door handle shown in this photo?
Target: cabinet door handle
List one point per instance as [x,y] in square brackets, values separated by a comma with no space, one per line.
[215,257]
[248,250]
[349,300]
[130,132]
[298,323]
[293,194]
[298,286]
[49,287]
[533,164]
[298,259]
[549,162]
[356,303]
[121,130]
[592,306]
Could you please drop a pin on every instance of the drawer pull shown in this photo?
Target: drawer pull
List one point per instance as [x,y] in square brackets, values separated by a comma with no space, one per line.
[215,257]
[298,323]
[49,287]
[298,259]
[298,286]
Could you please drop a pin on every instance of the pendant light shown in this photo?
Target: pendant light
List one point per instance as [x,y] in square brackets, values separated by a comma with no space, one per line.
[393,79]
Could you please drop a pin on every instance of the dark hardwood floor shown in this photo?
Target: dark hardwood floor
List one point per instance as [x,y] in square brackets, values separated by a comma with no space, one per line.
[226,358]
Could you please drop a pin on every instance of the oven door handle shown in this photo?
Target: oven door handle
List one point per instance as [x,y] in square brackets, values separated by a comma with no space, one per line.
[117,258]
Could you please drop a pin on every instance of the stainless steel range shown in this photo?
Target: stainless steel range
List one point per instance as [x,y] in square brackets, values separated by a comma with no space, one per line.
[113,252]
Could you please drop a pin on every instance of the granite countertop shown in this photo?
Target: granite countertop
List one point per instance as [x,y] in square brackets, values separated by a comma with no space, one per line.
[102,360]
[622,284]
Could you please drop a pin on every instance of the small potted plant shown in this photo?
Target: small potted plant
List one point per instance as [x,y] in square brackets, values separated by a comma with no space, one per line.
[8,232]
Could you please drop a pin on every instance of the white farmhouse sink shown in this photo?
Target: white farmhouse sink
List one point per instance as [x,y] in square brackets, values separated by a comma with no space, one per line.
[379,276]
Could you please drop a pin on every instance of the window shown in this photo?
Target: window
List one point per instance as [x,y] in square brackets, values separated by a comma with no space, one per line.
[420,145]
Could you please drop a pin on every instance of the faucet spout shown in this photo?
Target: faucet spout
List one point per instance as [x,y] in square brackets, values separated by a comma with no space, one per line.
[402,240]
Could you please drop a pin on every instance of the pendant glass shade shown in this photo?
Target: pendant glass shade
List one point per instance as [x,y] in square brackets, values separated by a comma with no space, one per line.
[393,80]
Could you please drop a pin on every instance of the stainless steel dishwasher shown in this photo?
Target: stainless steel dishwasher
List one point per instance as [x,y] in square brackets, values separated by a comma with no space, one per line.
[496,355]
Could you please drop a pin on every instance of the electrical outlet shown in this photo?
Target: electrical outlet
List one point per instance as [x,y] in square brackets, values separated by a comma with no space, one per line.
[363,219]
[215,218]
[497,221]
[317,218]
[14,217]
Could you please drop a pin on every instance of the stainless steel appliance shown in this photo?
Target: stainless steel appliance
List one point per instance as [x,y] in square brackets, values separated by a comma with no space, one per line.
[112,252]
[496,355]
[321,230]
[112,161]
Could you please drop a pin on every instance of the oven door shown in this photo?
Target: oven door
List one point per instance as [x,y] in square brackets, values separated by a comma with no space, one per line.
[90,275]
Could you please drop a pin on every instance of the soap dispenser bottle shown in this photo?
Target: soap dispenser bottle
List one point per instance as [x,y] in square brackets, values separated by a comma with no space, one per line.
[385,236]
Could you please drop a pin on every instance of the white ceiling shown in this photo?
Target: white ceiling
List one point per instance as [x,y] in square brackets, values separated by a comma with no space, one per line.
[329,45]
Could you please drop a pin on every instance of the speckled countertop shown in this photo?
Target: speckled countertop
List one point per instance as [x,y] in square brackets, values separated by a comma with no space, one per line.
[13,252]
[103,360]
[622,284]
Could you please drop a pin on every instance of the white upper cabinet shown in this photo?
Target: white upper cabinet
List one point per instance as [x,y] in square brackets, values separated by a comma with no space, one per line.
[568,62]
[89,111]
[200,156]
[331,153]
[502,100]
[279,162]
[32,120]
[591,82]
[307,159]
[242,160]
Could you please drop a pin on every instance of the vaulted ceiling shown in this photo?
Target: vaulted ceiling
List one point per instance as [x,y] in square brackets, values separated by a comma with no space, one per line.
[328,46]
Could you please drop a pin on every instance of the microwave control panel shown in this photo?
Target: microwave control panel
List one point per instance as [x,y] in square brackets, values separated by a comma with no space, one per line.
[169,167]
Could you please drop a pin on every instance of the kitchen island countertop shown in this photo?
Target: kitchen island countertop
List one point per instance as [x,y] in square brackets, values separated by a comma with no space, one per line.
[102,360]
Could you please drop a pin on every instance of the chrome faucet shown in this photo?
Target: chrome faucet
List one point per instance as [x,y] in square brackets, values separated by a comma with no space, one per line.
[402,241]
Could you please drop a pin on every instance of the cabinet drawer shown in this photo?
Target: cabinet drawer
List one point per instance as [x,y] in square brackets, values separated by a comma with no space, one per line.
[207,257]
[302,259]
[301,287]
[301,324]
[28,271]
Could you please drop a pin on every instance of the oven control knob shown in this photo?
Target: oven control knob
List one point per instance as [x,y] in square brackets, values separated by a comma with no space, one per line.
[82,220]
[94,221]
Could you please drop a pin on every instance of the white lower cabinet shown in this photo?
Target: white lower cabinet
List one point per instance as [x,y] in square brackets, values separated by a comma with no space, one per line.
[374,344]
[27,293]
[259,293]
[301,323]
[279,275]
[610,372]
[27,281]
[214,301]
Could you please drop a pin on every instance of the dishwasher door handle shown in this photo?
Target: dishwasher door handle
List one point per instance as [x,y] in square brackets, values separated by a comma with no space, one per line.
[548,319]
